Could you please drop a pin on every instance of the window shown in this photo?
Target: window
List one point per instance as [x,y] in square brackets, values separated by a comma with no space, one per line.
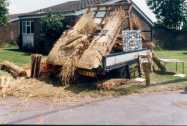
[27,27]
[100,14]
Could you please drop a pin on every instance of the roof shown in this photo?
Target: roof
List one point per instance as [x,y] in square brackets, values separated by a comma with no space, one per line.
[142,14]
[86,3]
[15,17]
[140,11]
[115,1]
[70,6]
[73,6]
[67,7]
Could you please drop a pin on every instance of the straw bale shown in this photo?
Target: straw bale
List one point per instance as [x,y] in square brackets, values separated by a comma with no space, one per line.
[103,43]
[70,39]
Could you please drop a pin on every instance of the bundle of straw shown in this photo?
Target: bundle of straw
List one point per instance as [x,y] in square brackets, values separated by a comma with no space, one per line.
[70,62]
[69,48]
[83,27]
[103,43]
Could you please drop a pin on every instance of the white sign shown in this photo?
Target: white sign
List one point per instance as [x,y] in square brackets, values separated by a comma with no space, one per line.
[132,40]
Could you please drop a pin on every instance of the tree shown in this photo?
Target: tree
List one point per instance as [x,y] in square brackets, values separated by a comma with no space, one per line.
[53,25]
[3,12]
[170,13]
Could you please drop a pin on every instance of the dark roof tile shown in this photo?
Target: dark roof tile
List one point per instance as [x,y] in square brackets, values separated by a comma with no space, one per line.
[64,7]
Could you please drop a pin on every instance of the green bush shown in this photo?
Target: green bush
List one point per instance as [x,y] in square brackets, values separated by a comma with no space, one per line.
[53,25]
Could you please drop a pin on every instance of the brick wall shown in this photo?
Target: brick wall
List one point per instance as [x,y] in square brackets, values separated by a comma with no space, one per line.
[9,32]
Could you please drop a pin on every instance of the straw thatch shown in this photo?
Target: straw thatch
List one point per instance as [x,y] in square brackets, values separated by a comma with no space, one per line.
[70,39]
[68,49]
[103,43]
[71,61]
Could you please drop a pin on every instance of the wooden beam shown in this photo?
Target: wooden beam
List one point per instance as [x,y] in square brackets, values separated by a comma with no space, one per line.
[13,69]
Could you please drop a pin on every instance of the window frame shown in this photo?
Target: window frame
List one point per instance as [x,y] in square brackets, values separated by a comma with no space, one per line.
[27,27]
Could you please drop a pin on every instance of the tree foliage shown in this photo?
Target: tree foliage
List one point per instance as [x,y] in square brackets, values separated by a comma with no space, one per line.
[3,12]
[170,13]
[53,25]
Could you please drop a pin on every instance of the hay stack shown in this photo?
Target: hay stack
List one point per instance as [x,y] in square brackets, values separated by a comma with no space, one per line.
[71,45]
[103,43]
[70,39]
[71,60]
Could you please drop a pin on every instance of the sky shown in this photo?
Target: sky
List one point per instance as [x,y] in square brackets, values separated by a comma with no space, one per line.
[22,6]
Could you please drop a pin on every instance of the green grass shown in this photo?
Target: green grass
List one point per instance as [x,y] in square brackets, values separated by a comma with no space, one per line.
[171,67]
[181,55]
[160,82]
[13,54]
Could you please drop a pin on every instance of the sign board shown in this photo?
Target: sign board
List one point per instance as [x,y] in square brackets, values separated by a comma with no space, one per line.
[132,40]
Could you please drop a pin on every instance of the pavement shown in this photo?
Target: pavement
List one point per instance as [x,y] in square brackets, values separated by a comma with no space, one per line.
[147,109]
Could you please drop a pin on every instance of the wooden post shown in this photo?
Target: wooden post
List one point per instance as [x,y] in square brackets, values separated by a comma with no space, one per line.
[183,67]
[146,63]
[139,68]
[35,65]
[147,73]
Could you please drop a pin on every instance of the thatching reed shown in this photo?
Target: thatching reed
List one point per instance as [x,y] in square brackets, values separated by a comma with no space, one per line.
[84,26]
[70,63]
[68,49]
[103,43]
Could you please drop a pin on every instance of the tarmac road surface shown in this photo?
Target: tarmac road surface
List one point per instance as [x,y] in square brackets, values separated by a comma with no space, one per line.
[156,108]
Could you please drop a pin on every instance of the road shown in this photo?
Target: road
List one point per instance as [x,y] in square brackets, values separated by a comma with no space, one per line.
[156,108]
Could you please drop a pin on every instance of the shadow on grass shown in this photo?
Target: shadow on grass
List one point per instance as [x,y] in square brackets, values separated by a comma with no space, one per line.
[185,91]
[170,82]
[164,73]
[18,50]
[127,90]
[51,80]
[120,90]
[185,53]
[86,86]
[90,87]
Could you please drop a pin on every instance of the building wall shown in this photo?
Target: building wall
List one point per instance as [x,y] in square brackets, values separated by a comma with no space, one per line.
[42,43]
[138,22]
[10,32]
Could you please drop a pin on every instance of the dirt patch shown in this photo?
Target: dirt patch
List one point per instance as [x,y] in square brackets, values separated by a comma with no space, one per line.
[35,89]
[28,89]
[181,104]
[109,84]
